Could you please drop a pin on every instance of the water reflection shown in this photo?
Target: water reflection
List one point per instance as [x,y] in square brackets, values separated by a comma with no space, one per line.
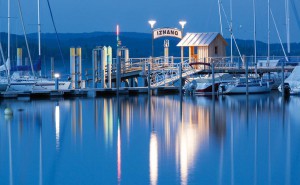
[8,119]
[141,139]
[107,112]
[76,119]
[153,159]
[119,155]
[57,125]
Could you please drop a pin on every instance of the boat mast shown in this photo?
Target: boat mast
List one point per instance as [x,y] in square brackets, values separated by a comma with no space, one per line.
[254,27]
[231,34]
[287,12]
[268,58]
[220,16]
[39,33]
[8,39]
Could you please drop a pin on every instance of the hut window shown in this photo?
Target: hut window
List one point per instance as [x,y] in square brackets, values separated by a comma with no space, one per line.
[216,50]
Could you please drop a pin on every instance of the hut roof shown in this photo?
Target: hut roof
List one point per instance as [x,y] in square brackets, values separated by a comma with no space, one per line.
[199,39]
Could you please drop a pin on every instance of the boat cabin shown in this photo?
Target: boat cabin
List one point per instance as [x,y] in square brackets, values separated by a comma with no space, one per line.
[203,46]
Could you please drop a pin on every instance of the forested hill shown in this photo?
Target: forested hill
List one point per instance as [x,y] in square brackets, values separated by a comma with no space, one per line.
[139,44]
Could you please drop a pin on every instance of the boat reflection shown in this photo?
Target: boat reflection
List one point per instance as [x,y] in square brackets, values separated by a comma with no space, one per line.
[183,137]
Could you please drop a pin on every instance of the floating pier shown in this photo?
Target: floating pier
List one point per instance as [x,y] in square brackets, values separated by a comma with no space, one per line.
[152,75]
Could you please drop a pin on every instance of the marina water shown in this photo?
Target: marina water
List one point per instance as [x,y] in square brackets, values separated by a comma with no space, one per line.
[151,140]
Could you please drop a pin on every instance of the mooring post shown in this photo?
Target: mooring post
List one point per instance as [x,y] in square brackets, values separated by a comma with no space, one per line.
[213,78]
[109,63]
[247,85]
[103,66]
[149,82]
[94,54]
[180,72]
[282,77]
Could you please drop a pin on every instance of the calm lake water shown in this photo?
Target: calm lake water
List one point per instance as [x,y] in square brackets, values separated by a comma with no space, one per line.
[161,140]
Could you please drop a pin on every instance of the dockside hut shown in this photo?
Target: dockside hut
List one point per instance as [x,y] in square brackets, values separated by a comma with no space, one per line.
[203,46]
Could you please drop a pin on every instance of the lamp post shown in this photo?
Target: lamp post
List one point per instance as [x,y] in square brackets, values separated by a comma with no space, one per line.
[56,76]
[152,23]
[182,23]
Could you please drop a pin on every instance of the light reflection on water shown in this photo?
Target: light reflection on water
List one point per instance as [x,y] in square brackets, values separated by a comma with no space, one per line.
[157,140]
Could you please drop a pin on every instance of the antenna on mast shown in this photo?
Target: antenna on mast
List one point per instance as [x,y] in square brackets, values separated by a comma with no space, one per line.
[118,36]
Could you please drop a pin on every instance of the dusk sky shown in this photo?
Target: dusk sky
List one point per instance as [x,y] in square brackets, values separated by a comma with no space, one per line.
[75,16]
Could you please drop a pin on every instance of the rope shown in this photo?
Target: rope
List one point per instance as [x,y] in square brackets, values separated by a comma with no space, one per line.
[58,41]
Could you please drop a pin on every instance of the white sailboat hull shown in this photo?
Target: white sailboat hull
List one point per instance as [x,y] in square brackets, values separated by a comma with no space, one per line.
[31,84]
[254,86]
[37,85]
[232,89]
[293,82]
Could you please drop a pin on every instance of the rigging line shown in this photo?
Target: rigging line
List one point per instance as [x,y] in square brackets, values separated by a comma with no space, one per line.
[25,35]
[2,54]
[237,47]
[58,41]
[286,58]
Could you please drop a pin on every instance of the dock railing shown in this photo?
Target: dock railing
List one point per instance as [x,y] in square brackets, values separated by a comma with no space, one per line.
[165,71]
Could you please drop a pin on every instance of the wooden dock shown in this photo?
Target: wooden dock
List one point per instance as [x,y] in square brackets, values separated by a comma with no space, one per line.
[89,92]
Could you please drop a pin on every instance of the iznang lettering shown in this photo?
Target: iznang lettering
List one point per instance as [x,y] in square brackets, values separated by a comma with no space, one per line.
[167,32]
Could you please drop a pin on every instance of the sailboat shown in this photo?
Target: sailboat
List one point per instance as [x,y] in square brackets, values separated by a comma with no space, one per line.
[252,84]
[292,83]
[255,85]
[19,82]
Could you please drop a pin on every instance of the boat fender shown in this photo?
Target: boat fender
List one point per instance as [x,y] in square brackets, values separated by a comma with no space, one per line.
[8,111]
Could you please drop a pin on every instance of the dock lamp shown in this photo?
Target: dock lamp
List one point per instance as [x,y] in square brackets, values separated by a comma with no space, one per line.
[56,76]
[182,23]
[152,23]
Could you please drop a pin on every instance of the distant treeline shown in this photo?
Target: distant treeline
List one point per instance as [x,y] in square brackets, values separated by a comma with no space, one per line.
[139,45]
